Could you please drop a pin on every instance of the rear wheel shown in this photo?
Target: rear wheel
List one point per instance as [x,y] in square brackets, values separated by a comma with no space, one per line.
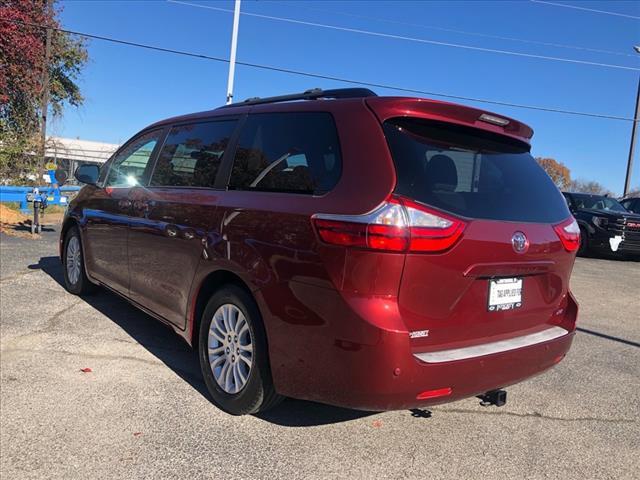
[583,250]
[233,353]
[75,277]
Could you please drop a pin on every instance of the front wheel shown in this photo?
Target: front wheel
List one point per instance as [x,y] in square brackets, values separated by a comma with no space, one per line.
[75,277]
[233,353]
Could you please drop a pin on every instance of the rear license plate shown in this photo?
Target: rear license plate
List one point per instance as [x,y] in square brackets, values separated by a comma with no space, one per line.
[505,294]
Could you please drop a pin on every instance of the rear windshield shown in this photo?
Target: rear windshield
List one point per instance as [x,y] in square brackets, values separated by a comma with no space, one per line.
[471,173]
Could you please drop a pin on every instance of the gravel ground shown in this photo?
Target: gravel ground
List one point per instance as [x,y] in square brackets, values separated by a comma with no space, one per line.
[142,412]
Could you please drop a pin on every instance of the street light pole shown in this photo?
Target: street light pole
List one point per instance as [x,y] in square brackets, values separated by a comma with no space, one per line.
[232,58]
[634,129]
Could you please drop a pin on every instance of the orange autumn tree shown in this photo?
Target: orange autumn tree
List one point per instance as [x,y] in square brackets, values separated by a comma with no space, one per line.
[558,172]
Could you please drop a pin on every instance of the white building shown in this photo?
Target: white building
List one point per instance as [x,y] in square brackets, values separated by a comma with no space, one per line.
[70,153]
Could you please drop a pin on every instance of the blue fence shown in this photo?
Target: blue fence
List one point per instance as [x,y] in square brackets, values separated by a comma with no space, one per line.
[19,194]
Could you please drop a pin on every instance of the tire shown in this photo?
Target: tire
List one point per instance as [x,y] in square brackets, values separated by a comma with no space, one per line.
[583,250]
[240,382]
[75,276]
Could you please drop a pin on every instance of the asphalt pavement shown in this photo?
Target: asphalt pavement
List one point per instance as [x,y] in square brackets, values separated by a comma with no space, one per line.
[142,410]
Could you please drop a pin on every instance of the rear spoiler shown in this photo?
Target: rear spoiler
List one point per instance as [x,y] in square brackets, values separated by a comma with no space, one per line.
[394,107]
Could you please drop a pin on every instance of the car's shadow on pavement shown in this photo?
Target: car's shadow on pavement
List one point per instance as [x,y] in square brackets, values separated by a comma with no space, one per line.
[164,344]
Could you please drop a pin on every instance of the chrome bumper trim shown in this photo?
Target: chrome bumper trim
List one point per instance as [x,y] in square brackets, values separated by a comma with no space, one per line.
[492,347]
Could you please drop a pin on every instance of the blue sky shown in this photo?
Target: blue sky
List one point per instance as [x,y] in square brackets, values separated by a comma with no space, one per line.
[126,88]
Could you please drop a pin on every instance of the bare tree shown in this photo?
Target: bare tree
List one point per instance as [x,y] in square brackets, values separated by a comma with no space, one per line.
[589,186]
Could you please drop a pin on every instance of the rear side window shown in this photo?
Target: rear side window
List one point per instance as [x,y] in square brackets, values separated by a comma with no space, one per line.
[287,152]
[192,153]
[471,173]
[596,202]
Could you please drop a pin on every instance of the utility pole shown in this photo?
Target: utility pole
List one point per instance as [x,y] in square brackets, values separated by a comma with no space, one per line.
[44,99]
[634,129]
[232,58]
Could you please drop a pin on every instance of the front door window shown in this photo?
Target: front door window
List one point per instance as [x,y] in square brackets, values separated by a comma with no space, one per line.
[131,164]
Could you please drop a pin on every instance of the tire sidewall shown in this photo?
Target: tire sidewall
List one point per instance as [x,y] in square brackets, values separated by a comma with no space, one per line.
[250,398]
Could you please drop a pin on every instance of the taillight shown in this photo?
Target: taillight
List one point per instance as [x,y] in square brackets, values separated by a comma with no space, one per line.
[398,225]
[431,231]
[569,234]
[440,392]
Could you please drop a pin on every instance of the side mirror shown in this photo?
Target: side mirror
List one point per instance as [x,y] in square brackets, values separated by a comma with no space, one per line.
[61,176]
[87,174]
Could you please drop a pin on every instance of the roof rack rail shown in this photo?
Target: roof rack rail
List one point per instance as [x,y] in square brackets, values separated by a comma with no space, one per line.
[312,94]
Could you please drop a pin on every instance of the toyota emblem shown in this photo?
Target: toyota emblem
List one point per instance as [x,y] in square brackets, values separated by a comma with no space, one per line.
[520,242]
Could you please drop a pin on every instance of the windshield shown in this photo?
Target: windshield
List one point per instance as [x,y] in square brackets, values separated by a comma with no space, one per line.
[471,173]
[597,202]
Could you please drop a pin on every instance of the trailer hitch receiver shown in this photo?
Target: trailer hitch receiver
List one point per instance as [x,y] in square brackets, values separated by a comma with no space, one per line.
[493,397]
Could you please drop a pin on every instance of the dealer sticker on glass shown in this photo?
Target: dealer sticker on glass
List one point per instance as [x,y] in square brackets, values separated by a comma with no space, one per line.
[505,294]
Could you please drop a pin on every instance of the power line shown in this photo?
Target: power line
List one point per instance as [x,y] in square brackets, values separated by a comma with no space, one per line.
[122,42]
[327,77]
[606,12]
[463,32]
[411,39]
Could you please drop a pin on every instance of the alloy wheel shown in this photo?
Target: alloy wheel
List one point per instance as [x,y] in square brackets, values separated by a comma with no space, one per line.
[74,260]
[230,348]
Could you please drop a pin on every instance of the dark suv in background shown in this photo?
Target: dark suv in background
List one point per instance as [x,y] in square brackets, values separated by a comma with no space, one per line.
[606,226]
[632,204]
[370,252]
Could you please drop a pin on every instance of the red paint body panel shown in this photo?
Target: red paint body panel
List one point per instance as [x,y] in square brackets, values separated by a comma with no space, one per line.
[338,319]
[436,295]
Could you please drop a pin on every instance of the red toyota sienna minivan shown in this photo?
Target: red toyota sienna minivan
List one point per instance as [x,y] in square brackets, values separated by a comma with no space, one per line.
[370,252]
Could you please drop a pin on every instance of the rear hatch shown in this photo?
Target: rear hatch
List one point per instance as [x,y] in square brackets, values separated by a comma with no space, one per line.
[507,271]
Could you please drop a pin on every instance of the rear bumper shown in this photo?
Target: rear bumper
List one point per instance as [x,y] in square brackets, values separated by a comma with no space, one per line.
[478,375]
[344,360]
[380,379]
[390,376]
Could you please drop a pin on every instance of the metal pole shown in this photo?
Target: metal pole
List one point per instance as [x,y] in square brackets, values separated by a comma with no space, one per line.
[634,128]
[44,99]
[232,58]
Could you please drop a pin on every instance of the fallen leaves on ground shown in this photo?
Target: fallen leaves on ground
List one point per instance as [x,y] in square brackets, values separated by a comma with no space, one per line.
[9,215]
[16,224]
